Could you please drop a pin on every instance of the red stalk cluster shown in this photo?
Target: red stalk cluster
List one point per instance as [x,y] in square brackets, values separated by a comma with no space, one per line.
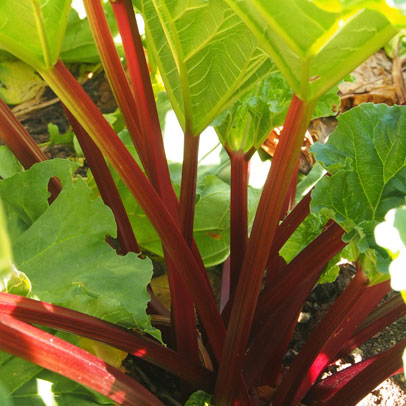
[251,349]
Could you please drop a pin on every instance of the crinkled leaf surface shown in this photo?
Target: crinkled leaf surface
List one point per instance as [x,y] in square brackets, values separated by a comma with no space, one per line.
[62,247]
[30,385]
[32,30]
[366,156]
[206,56]
[316,47]
[248,122]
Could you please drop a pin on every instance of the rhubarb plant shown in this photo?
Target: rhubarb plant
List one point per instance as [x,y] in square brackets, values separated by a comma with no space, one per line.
[76,259]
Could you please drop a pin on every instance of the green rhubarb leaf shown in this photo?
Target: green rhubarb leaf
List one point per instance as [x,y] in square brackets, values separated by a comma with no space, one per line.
[309,181]
[9,164]
[19,82]
[303,236]
[247,124]
[11,279]
[25,201]
[62,247]
[395,9]
[78,43]
[207,57]
[4,398]
[314,44]
[366,157]
[32,30]
[350,253]
[391,235]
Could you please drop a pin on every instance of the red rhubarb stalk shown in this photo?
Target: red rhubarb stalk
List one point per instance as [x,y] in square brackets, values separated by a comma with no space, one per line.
[60,318]
[351,385]
[285,230]
[380,318]
[50,352]
[270,343]
[145,99]
[263,231]
[143,124]
[327,339]
[238,215]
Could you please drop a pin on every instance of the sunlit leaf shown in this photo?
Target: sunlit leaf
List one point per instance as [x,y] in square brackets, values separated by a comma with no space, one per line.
[316,43]
[205,54]
[32,30]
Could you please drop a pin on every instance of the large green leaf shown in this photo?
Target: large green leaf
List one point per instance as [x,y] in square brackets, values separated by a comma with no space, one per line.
[366,157]
[316,47]
[32,30]
[206,56]
[63,251]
